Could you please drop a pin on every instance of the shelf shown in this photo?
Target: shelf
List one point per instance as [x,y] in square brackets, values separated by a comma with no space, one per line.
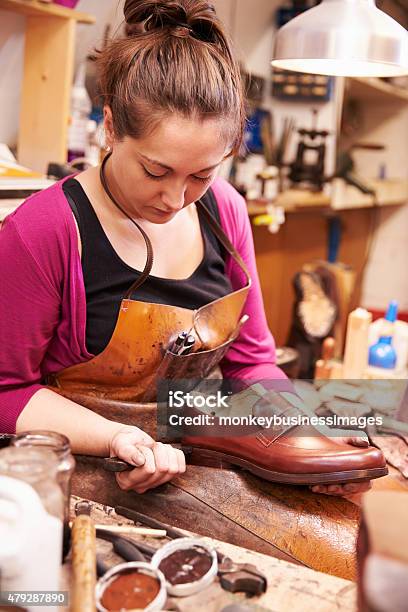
[390,192]
[291,200]
[374,90]
[47,80]
[35,8]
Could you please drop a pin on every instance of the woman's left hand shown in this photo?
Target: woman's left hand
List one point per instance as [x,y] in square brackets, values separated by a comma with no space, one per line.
[351,487]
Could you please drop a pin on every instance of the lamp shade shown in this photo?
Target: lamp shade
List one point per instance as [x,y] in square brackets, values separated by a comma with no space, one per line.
[343,38]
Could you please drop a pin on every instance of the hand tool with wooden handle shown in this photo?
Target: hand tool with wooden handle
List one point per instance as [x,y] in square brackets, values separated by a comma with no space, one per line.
[83,560]
[122,547]
[130,530]
[128,549]
[114,464]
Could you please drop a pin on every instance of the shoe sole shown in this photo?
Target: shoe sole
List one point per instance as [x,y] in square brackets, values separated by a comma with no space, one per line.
[210,458]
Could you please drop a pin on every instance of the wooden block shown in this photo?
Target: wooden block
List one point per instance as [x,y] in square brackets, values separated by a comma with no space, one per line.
[356,351]
[47,82]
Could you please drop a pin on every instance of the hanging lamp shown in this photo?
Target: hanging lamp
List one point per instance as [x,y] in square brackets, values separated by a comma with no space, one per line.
[343,38]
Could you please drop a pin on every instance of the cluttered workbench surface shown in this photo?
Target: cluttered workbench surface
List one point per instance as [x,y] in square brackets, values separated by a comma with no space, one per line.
[289,587]
[286,522]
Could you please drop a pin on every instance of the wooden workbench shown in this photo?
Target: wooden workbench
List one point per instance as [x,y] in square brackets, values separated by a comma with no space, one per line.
[291,588]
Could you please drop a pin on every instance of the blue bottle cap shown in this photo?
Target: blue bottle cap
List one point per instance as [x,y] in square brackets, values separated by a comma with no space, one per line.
[392,311]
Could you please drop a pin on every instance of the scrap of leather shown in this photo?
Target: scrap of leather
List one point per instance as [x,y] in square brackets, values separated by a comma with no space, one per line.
[286,522]
[395,449]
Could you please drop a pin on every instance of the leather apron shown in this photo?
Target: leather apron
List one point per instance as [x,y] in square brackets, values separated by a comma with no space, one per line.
[120,384]
[138,354]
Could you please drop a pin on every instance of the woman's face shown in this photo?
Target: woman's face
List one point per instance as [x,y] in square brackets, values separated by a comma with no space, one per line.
[156,176]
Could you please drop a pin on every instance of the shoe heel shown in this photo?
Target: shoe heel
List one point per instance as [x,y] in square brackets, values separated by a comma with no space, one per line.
[207,458]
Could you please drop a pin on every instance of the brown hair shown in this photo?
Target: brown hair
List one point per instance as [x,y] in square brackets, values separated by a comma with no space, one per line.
[176,57]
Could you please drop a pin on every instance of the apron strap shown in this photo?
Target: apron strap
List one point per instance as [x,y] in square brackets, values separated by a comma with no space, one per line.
[222,237]
[149,248]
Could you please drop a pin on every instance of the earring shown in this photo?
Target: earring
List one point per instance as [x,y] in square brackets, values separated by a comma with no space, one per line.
[108,149]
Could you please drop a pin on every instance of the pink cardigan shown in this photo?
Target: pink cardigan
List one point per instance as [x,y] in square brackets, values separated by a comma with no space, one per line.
[43,303]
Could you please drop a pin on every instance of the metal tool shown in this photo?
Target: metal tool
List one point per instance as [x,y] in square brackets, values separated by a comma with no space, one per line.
[131,530]
[127,549]
[145,549]
[122,546]
[187,345]
[182,344]
[312,143]
[135,516]
[178,343]
[114,464]
[241,577]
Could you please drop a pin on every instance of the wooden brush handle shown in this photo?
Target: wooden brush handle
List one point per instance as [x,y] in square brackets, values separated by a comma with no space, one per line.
[83,565]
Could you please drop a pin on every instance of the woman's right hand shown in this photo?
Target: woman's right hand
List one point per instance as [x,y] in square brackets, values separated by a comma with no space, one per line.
[157,463]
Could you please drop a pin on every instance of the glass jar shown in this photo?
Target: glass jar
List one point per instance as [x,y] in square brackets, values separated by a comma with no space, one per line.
[37,514]
[38,468]
[59,444]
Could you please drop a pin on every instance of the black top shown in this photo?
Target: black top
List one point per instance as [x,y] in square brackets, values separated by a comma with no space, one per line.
[107,277]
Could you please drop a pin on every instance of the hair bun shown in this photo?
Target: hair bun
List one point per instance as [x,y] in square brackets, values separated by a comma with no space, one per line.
[147,15]
[151,15]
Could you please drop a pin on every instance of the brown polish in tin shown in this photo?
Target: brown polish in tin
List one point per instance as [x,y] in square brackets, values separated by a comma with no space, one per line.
[129,591]
[187,565]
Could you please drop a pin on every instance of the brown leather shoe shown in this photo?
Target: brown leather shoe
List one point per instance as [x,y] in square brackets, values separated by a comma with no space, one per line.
[291,459]
[287,454]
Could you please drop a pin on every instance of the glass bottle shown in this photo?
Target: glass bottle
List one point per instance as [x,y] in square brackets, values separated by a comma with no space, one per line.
[33,507]
[59,444]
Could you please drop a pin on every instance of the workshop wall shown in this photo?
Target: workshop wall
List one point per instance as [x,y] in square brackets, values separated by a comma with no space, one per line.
[252,27]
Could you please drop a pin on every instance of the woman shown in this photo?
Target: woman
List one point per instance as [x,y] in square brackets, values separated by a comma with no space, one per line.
[77,270]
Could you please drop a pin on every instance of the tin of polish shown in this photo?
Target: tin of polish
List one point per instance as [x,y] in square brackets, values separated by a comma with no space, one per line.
[131,586]
[188,564]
